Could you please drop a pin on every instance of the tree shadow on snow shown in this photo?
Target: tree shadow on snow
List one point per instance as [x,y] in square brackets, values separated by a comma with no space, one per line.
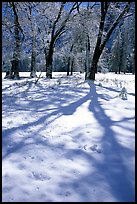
[34,107]
[118,179]
[113,169]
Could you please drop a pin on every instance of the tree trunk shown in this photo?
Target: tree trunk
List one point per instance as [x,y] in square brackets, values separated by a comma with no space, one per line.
[16,54]
[56,33]
[33,36]
[33,59]
[16,69]
[121,53]
[68,67]
[100,45]
[87,64]
[133,63]
[119,69]
[69,60]
[49,60]
[72,65]
[98,51]
[91,73]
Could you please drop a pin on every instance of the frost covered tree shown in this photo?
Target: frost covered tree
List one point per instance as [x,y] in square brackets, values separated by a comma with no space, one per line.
[115,63]
[78,41]
[30,9]
[103,37]
[17,34]
[68,32]
[7,37]
[57,17]
[128,44]
[122,56]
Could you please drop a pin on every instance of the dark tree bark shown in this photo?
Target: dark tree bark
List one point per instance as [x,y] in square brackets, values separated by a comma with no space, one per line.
[68,66]
[33,62]
[72,65]
[16,55]
[100,45]
[133,62]
[49,60]
[87,54]
[97,51]
[49,51]
[69,60]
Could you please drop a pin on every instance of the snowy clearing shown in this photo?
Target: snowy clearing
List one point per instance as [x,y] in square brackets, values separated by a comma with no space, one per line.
[67,139]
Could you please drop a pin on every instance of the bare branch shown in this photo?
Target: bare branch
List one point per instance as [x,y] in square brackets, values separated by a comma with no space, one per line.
[95,4]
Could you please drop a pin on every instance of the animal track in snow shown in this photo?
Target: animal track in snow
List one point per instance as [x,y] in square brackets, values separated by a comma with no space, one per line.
[10,122]
[92,148]
[39,176]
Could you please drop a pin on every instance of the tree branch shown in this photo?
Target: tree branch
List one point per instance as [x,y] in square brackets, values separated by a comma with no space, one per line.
[17,20]
[127,7]
[58,17]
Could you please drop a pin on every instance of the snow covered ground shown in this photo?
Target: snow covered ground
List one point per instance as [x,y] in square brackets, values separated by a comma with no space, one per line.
[68,140]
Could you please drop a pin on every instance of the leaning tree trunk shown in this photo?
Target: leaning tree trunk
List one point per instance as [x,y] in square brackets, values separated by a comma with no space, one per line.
[100,45]
[97,52]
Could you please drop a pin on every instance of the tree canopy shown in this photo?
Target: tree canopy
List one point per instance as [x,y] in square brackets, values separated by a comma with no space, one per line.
[68,36]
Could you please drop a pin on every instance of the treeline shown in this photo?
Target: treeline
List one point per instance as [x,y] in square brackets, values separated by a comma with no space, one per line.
[68,36]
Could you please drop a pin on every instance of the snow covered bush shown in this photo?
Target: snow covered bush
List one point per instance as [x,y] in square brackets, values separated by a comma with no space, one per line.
[59,81]
[123,93]
[100,84]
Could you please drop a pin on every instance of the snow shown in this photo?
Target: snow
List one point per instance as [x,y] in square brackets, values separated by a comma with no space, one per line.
[68,140]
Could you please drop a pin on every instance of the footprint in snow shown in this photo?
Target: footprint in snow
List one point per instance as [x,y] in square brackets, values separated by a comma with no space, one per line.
[9,122]
[39,176]
[92,148]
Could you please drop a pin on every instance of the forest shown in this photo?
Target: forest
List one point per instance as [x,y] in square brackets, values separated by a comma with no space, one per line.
[68,36]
